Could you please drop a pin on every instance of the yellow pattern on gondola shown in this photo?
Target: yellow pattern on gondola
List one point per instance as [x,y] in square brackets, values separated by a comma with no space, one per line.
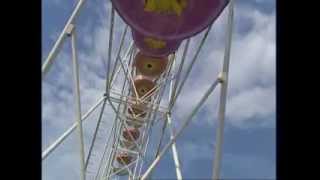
[154,43]
[166,6]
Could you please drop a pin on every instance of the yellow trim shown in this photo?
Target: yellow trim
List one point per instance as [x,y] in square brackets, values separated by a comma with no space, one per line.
[165,6]
[154,43]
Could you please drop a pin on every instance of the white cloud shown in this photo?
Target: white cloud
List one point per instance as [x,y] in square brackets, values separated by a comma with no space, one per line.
[241,167]
[251,76]
[256,104]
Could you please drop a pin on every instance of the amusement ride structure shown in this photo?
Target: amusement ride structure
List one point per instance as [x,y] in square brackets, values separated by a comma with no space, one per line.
[145,69]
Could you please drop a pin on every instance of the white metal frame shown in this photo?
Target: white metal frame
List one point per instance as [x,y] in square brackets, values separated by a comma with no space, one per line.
[123,99]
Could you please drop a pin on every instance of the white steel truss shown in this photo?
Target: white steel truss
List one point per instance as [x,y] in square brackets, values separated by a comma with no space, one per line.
[120,100]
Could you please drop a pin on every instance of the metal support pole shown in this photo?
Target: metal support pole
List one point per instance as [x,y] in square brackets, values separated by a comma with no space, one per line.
[174,151]
[119,52]
[158,99]
[77,99]
[223,96]
[114,74]
[178,74]
[66,134]
[95,133]
[185,124]
[108,85]
[174,148]
[115,140]
[105,149]
[48,62]
[170,98]
[109,51]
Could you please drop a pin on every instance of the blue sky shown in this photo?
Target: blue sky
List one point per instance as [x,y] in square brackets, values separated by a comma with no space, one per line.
[249,146]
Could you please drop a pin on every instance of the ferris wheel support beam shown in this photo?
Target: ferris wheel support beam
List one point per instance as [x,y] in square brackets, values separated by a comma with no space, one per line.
[178,74]
[116,141]
[54,51]
[158,100]
[105,101]
[223,95]
[119,52]
[95,133]
[185,124]
[59,140]
[105,150]
[164,126]
[109,50]
[174,148]
[115,73]
[78,101]
[125,67]
[66,134]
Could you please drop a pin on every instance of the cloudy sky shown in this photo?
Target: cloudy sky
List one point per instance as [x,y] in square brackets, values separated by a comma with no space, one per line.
[249,146]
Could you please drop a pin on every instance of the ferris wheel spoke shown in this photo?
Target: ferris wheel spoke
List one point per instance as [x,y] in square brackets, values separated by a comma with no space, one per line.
[190,66]
[165,121]
[115,73]
[119,52]
[95,133]
[105,149]
[114,146]
[61,39]
[116,111]
[223,94]
[178,74]
[107,66]
[78,101]
[116,140]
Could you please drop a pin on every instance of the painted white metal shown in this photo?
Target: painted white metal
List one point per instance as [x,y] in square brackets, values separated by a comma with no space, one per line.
[107,169]
[141,156]
[223,95]
[66,134]
[109,50]
[104,103]
[51,57]
[158,99]
[78,102]
[174,148]
[119,52]
[95,133]
[114,74]
[105,150]
[174,151]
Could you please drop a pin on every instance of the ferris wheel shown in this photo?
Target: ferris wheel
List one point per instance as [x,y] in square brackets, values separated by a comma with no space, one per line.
[136,82]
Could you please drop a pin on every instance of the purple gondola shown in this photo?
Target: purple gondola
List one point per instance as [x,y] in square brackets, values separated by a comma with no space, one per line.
[169,19]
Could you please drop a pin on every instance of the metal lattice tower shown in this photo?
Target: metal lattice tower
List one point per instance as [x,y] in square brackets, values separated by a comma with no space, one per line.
[104,166]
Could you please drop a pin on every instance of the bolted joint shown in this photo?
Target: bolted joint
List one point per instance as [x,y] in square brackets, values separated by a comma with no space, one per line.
[222,77]
[106,95]
[70,29]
